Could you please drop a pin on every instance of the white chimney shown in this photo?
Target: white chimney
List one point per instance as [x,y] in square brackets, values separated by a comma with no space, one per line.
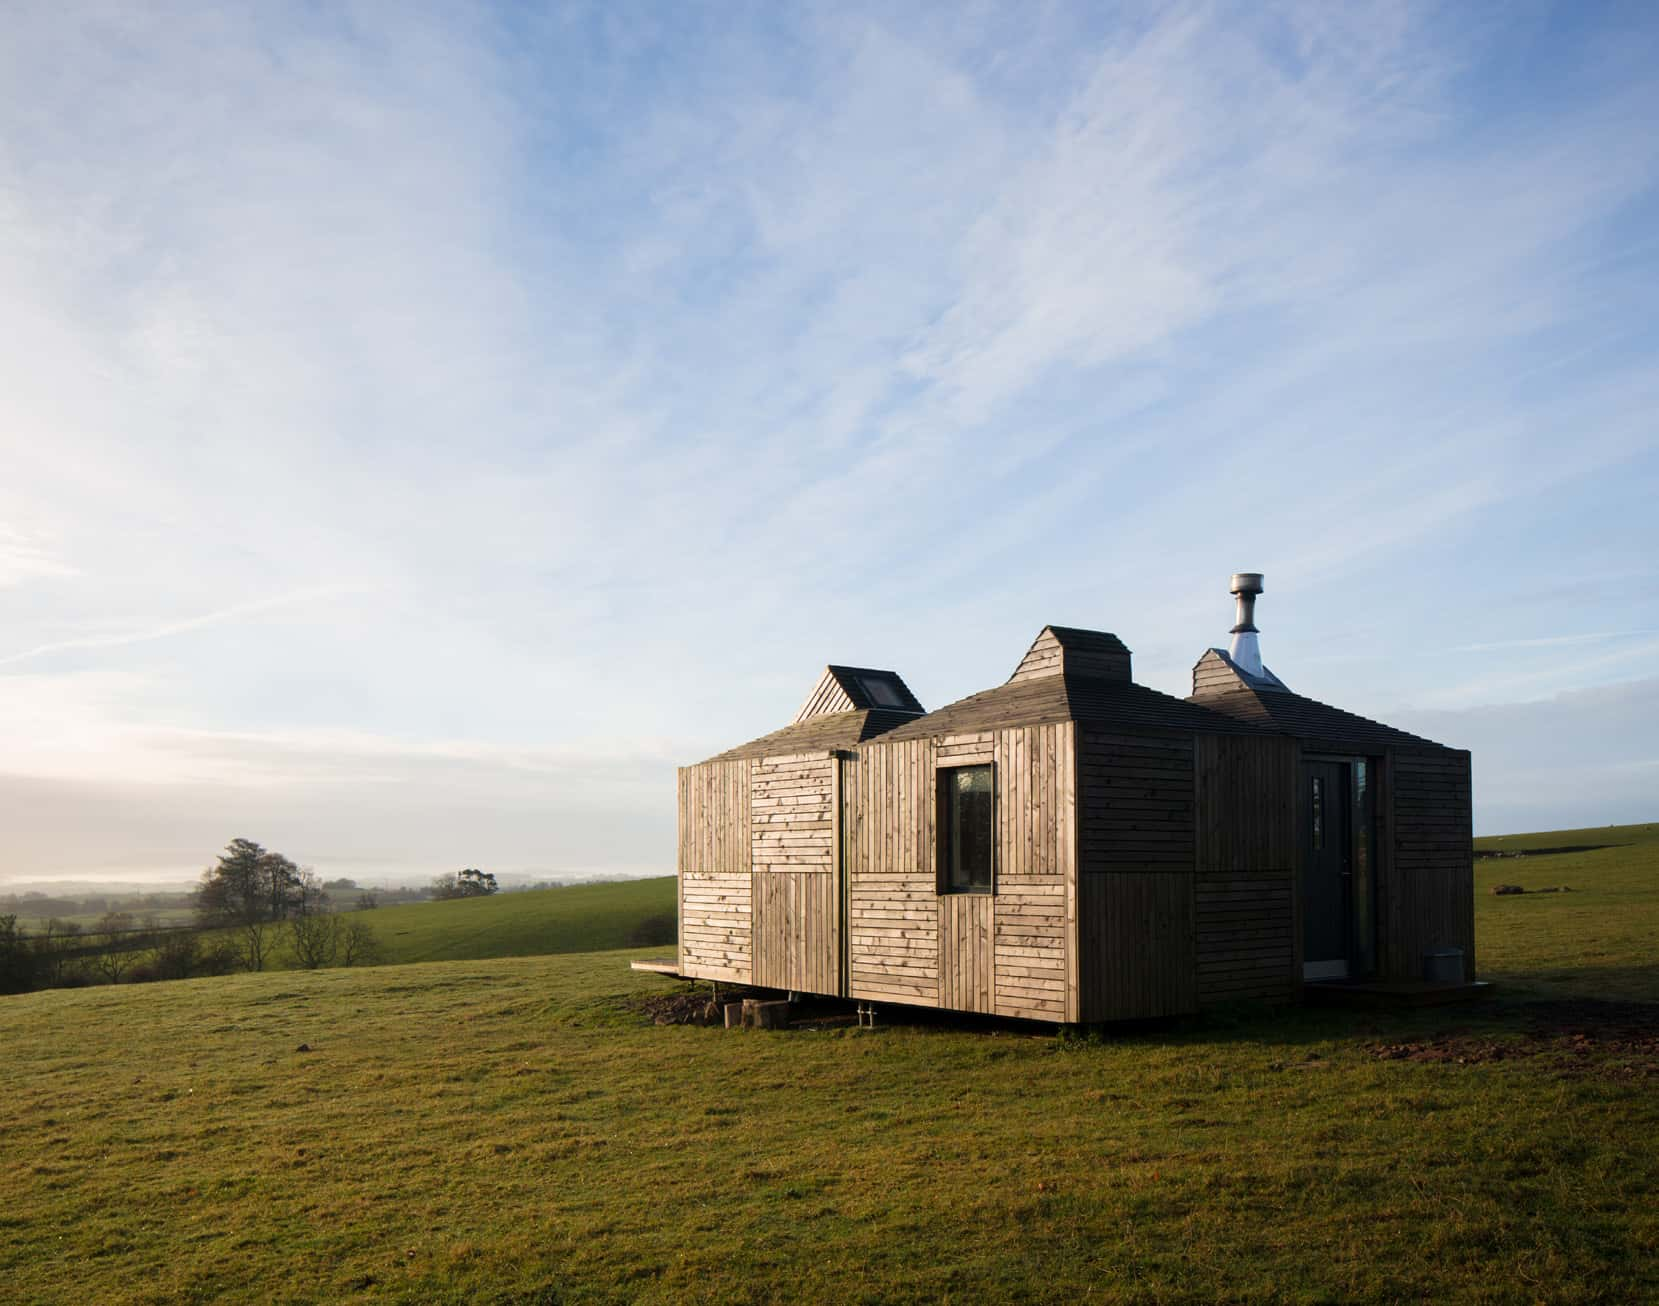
[1245,651]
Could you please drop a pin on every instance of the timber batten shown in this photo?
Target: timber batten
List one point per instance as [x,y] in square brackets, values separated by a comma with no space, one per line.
[1146,853]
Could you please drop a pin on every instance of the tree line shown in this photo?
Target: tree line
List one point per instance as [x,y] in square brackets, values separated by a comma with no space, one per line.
[252,907]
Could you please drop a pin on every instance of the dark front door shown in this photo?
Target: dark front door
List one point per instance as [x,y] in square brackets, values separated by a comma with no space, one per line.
[1327,870]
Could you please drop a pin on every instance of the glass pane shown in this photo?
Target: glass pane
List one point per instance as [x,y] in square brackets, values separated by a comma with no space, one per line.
[1365,890]
[883,693]
[969,825]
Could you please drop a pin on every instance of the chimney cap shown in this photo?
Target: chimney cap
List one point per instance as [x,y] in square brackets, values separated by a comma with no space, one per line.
[1246,582]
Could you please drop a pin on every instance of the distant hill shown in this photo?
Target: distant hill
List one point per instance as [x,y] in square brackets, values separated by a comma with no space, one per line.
[579,918]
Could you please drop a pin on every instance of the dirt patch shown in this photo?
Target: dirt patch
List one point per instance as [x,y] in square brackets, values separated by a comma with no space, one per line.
[1584,1036]
[690,1006]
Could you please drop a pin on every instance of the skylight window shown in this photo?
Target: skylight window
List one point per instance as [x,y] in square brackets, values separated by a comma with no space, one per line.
[883,693]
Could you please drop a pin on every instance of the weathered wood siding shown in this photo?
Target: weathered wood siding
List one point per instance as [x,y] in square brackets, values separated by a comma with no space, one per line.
[791,822]
[1035,905]
[797,934]
[1008,952]
[827,697]
[714,871]
[796,904]
[1136,893]
[1428,883]
[1137,945]
[967,970]
[1246,851]
[887,846]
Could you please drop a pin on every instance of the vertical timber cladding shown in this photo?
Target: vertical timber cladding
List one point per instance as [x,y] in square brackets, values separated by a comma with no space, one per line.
[1246,850]
[714,880]
[1034,916]
[1431,898]
[1136,894]
[797,911]
[887,846]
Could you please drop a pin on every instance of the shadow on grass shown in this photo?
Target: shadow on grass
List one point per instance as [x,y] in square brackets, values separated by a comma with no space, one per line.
[1591,1001]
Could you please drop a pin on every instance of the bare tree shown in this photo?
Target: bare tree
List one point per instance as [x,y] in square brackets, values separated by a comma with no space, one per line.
[256,940]
[315,938]
[118,949]
[57,946]
[359,946]
[178,954]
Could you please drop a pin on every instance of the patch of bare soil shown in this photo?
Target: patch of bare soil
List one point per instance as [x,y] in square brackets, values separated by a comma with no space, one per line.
[691,1007]
[1581,1036]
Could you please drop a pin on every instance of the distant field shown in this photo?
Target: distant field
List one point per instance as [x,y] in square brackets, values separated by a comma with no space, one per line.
[579,918]
[516,1130]
[576,918]
[1603,937]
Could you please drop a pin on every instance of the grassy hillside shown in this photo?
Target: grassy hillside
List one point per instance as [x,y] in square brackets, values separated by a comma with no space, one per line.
[517,1130]
[580,918]
[1603,937]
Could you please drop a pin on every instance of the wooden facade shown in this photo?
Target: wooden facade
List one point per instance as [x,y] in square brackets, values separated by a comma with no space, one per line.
[1150,855]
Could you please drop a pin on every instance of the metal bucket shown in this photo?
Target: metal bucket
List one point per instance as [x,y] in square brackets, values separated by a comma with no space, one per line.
[1443,967]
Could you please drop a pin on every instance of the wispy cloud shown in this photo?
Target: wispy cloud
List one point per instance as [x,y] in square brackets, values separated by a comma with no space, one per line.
[168,629]
[597,374]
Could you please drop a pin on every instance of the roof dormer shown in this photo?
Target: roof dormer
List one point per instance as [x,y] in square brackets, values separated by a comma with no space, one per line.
[854,689]
[1067,651]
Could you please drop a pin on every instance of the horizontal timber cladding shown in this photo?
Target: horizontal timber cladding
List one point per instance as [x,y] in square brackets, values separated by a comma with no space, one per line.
[791,820]
[797,935]
[1246,936]
[715,940]
[888,826]
[713,857]
[1245,854]
[1135,931]
[1135,802]
[967,961]
[1034,949]
[1428,888]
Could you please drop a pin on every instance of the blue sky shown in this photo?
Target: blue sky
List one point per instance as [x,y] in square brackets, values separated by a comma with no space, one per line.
[424,427]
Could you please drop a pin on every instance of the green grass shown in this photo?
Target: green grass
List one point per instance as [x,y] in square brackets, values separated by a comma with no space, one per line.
[514,1130]
[579,918]
[1602,938]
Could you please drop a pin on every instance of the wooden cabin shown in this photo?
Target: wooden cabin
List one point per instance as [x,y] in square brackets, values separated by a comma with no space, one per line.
[1071,846]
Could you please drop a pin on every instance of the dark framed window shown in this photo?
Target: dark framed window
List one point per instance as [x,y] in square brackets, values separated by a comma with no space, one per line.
[967,829]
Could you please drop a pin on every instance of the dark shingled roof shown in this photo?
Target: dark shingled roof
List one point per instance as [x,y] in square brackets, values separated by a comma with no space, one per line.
[1222,685]
[820,734]
[1087,641]
[851,680]
[1089,700]
[1307,718]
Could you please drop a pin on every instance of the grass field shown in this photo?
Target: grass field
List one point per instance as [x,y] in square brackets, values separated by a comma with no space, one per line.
[516,1130]
[1603,937]
[578,918]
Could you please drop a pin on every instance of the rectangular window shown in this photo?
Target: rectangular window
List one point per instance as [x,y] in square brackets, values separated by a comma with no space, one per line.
[1318,816]
[967,807]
